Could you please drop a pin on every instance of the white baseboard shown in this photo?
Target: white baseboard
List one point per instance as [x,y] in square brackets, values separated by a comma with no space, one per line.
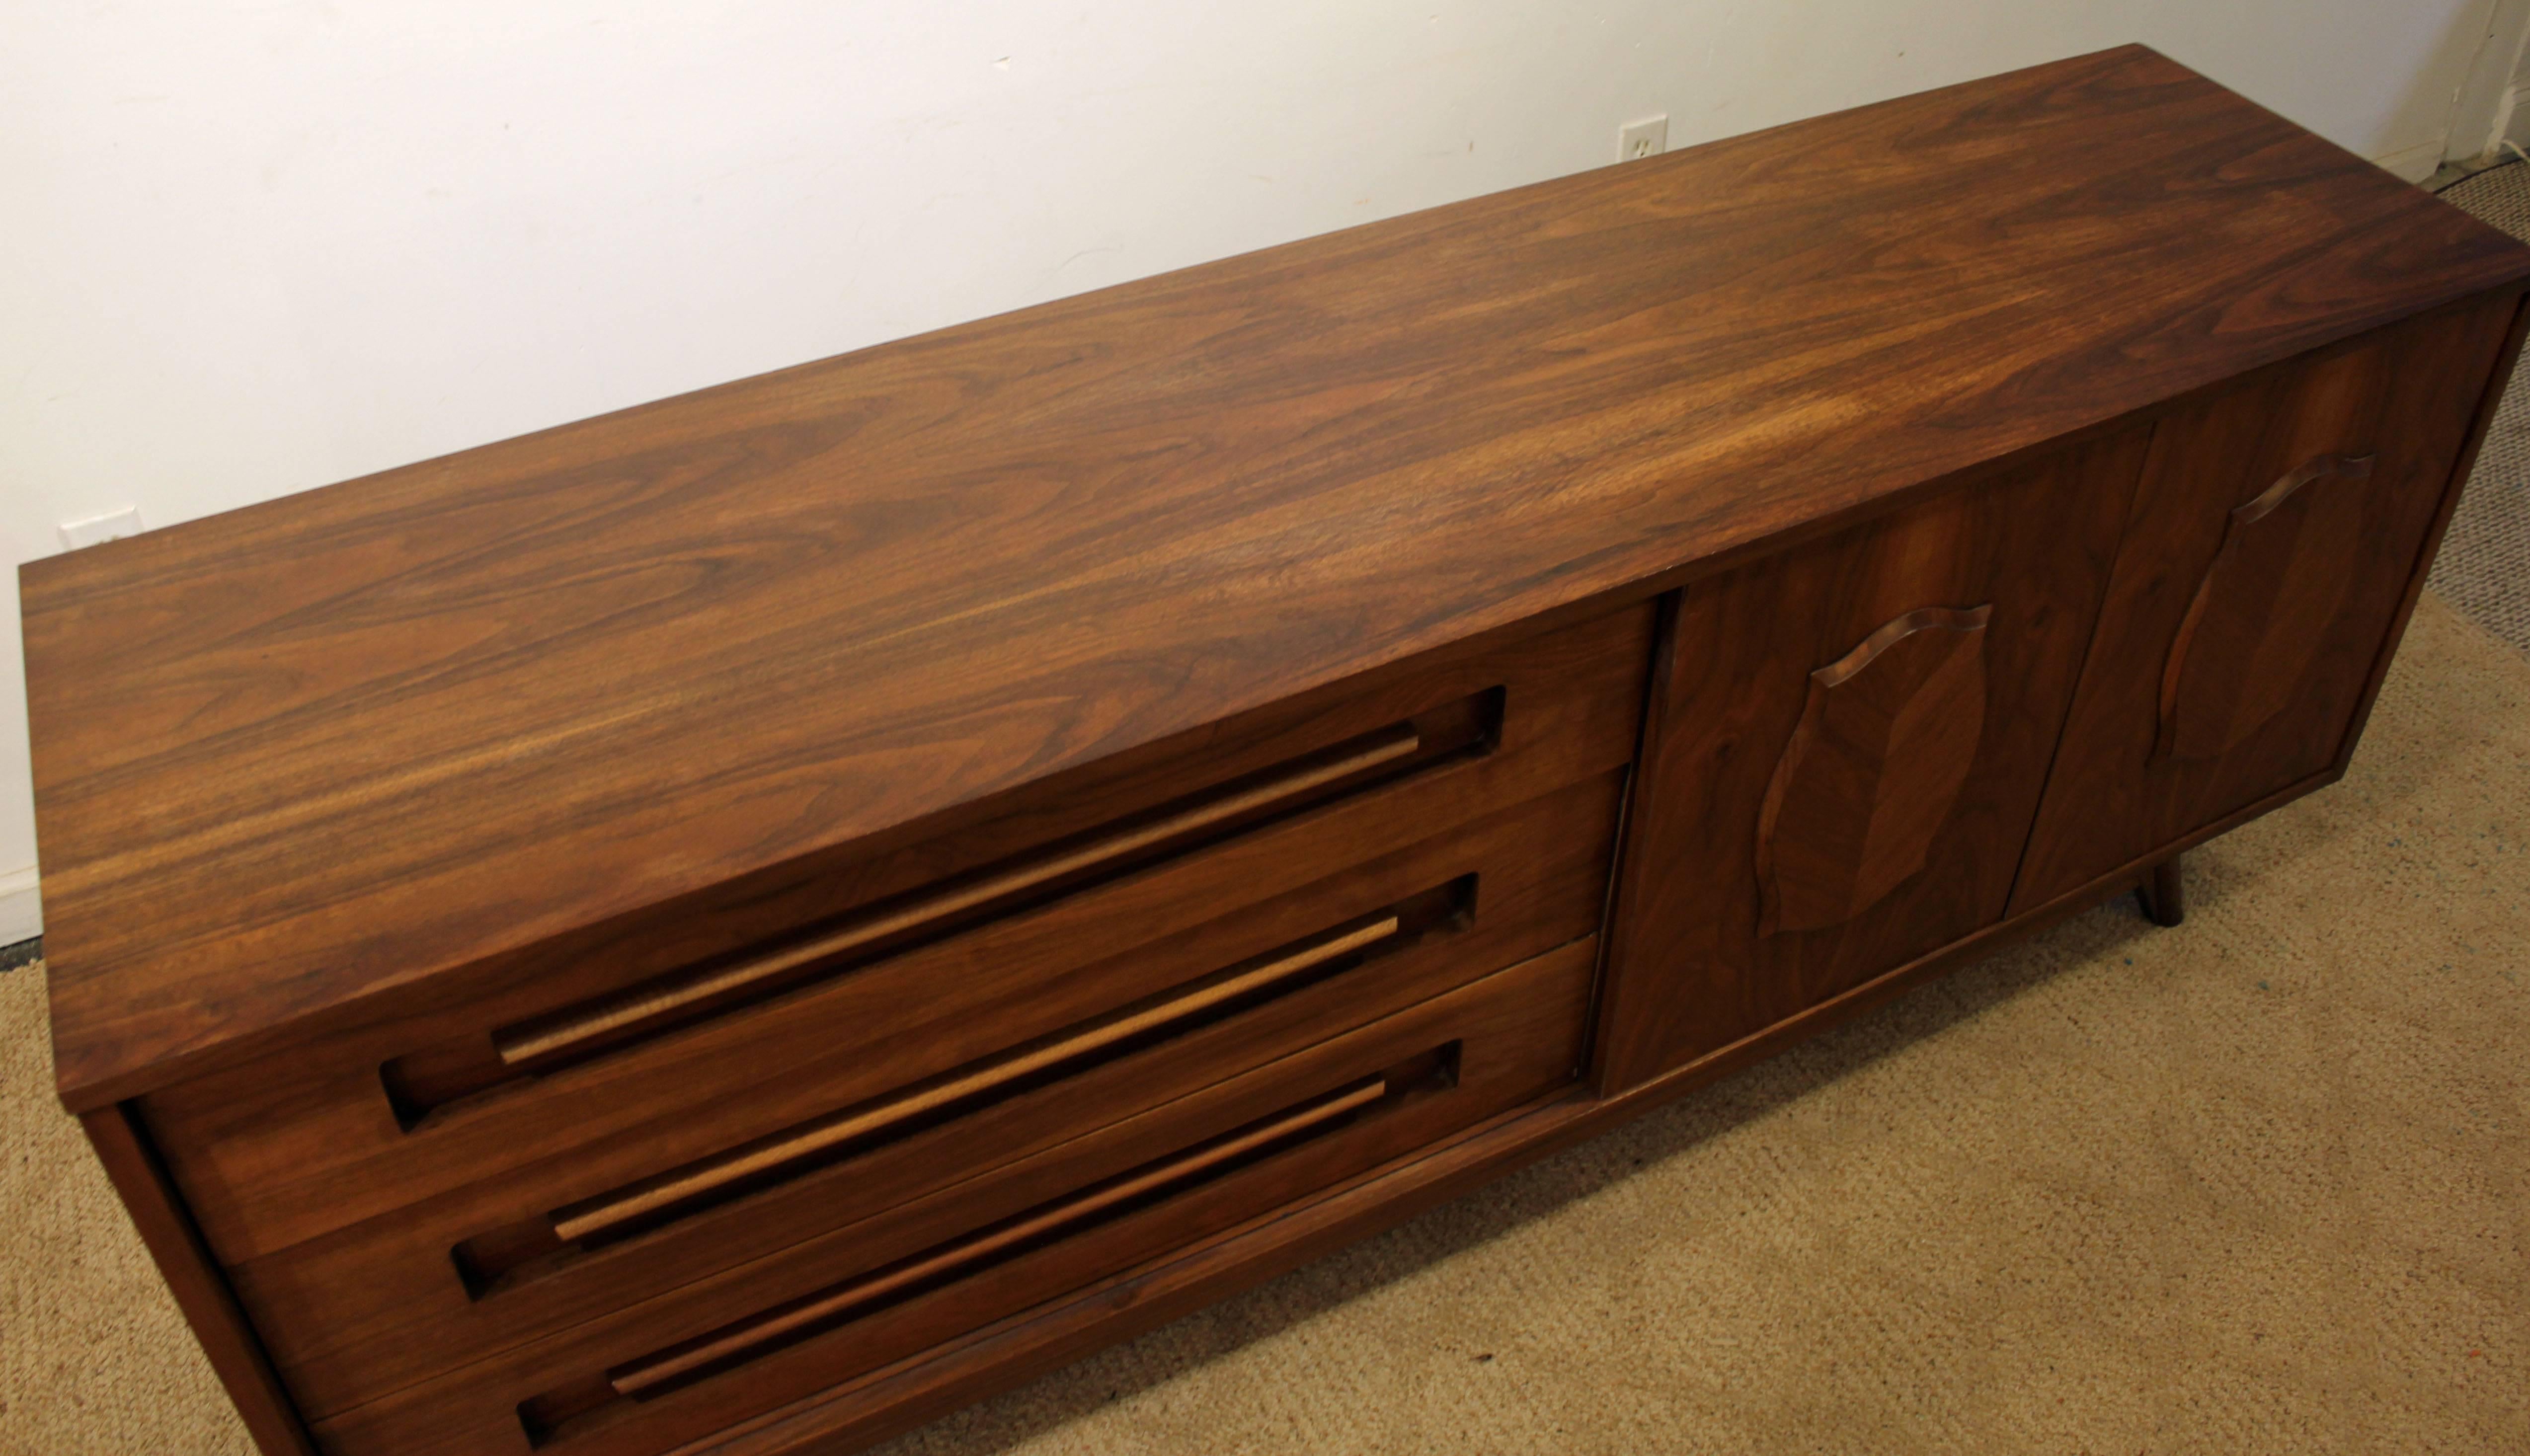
[2412,163]
[21,912]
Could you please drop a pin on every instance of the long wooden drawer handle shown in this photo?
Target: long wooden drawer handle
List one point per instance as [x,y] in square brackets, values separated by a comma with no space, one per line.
[657,1370]
[529,1043]
[598,1216]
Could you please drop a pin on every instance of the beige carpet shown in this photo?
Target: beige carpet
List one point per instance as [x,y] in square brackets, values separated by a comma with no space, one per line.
[2254,1185]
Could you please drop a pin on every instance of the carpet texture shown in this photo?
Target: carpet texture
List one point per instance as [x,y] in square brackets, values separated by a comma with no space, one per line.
[2260,1183]
[2484,568]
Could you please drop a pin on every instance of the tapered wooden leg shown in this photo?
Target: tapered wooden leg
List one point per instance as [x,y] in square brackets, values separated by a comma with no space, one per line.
[2162,902]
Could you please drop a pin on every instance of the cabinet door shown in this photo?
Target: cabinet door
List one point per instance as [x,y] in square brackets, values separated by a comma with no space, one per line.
[1844,750]
[2264,575]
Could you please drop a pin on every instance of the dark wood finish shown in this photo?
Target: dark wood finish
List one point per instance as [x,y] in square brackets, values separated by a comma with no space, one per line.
[1873,768]
[2259,618]
[2250,604]
[856,1411]
[727,927]
[356,741]
[378,1305]
[640,1205]
[1993,590]
[236,1354]
[2163,896]
[2490,396]
[270,1160]
[606,1023]
[960,1258]
[1520,1036]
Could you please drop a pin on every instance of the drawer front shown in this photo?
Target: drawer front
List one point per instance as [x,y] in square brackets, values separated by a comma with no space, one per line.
[366,1310]
[688,1061]
[2266,564]
[691,1362]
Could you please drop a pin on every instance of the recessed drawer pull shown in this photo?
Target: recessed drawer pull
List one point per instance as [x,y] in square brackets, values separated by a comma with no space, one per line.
[599,1215]
[535,1041]
[654,1371]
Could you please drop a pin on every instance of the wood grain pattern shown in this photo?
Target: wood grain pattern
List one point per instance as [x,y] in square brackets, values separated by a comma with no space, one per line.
[854,1413]
[2490,396]
[714,927]
[271,1157]
[1690,965]
[653,1371]
[2286,561]
[1873,768]
[236,1352]
[1519,1035]
[377,1305]
[613,1211]
[530,1044]
[2248,617]
[354,746]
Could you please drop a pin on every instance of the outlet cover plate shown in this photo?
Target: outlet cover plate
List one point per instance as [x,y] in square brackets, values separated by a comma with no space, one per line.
[1648,138]
[113,526]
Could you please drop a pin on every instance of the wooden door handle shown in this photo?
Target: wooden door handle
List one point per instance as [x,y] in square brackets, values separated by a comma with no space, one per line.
[599,1215]
[538,1040]
[2319,468]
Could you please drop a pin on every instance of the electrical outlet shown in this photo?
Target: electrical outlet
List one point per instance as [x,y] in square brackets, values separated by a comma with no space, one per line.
[1648,138]
[113,526]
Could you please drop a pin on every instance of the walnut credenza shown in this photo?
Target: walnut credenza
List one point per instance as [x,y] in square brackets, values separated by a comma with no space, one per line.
[738,924]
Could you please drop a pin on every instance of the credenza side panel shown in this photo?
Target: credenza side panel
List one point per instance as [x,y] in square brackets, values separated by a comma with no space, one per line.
[236,1353]
[1844,751]
[2275,536]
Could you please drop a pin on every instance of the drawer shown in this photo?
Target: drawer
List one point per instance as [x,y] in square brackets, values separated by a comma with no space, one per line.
[688,1361]
[866,1114]
[680,1046]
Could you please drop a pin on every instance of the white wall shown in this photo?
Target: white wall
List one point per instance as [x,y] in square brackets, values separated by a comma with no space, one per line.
[247,248]
[2512,119]
[2482,111]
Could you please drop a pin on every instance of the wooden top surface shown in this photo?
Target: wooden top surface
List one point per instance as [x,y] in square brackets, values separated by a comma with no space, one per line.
[297,754]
